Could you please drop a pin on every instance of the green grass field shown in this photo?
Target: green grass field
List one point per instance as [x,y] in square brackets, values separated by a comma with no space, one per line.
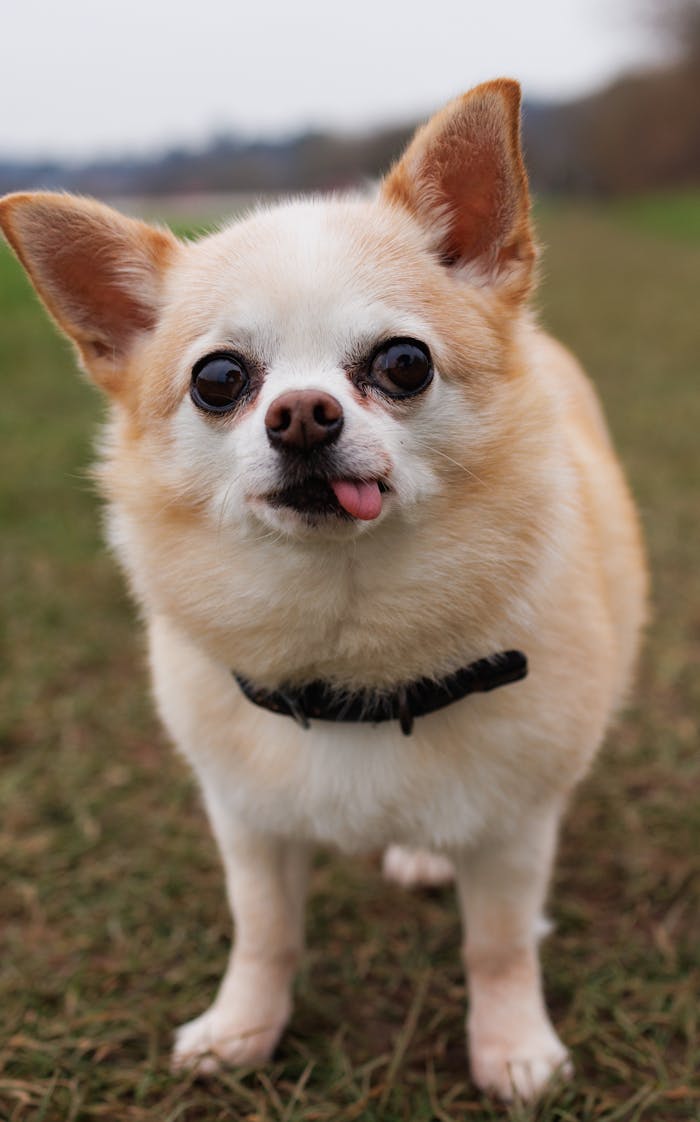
[113,924]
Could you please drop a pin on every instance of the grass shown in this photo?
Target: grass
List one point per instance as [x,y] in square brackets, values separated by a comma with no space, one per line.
[114,927]
[678,217]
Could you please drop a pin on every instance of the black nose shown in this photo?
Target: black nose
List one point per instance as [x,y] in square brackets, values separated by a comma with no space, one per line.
[302,420]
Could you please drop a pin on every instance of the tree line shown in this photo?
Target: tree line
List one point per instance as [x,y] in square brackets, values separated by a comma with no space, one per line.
[640,133]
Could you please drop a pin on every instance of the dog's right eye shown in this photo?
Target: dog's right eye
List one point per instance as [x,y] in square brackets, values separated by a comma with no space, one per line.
[218,381]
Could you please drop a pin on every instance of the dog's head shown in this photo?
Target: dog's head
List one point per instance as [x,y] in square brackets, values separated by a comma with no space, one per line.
[318,367]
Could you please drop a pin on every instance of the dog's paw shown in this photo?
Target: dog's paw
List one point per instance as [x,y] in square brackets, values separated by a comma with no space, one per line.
[214,1040]
[413,867]
[520,1072]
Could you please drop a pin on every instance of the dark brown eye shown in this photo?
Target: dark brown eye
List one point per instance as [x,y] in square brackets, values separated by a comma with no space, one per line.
[218,381]
[401,368]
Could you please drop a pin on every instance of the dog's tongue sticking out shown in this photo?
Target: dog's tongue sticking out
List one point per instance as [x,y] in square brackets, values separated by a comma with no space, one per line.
[361,500]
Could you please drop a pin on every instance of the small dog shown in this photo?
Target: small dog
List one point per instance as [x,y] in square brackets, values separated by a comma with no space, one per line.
[358,493]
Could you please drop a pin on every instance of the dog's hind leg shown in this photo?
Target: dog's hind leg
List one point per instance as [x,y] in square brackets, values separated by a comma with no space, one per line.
[416,867]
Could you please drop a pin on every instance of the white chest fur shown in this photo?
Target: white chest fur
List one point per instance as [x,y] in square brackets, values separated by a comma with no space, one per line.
[470,768]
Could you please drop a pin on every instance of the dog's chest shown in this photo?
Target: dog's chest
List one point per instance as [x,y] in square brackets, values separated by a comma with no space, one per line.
[355,785]
[370,617]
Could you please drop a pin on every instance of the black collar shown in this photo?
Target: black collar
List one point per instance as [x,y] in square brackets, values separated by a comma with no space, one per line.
[322,701]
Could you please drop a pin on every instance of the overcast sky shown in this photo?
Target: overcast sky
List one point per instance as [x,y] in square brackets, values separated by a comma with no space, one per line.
[94,77]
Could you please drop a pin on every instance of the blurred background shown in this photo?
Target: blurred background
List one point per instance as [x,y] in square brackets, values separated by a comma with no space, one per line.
[146,99]
[113,921]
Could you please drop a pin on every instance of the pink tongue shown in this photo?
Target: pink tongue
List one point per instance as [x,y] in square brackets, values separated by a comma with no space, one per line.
[361,500]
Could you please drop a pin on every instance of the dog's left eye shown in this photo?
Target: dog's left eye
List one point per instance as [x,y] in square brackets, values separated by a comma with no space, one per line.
[218,381]
[401,368]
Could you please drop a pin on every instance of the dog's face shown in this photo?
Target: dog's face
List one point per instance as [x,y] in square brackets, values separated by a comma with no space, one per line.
[319,367]
[321,386]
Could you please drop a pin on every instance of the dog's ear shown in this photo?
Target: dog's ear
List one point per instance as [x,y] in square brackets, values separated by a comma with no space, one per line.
[99,273]
[463,178]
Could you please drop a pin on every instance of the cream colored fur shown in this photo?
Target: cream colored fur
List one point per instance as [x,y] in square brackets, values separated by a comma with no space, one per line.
[508,525]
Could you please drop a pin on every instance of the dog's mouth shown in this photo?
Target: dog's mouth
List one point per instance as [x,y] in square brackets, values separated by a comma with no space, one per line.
[319,498]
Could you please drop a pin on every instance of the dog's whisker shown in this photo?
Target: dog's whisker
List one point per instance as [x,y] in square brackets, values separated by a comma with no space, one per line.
[222,507]
[271,535]
[463,467]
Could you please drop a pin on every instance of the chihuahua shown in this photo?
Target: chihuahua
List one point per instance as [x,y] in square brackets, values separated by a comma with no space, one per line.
[392,574]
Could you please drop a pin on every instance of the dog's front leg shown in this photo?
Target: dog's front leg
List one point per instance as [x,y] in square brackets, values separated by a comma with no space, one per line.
[266,882]
[514,1051]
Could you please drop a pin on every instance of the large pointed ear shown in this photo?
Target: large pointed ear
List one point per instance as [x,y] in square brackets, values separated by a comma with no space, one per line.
[99,273]
[463,179]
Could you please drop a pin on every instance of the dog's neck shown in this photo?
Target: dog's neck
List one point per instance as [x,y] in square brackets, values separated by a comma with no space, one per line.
[320,700]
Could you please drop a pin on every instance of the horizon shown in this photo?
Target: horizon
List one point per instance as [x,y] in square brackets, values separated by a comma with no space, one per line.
[271,76]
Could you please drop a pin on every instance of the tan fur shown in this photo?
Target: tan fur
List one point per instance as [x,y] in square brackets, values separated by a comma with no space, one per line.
[97,272]
[464,173]
[507,525]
